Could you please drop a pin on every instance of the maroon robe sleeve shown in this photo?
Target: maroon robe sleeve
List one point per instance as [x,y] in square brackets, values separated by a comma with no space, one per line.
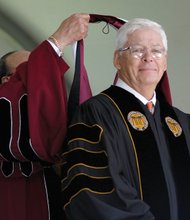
[34,108]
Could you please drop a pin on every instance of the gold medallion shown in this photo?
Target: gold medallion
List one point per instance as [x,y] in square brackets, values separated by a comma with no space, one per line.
[137,120]
[174,126]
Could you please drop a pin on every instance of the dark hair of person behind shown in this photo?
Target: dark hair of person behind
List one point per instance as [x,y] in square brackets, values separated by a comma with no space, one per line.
[3,67]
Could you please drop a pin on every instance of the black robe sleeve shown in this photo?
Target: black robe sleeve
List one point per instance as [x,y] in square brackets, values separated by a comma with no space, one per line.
[95,185]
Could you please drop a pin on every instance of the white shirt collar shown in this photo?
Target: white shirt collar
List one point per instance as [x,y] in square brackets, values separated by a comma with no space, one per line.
[120,83]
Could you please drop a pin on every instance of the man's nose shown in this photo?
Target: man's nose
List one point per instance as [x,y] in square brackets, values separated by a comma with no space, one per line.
[147,57]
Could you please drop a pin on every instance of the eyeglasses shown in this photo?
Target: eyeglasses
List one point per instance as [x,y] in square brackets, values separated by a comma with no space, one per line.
[140,51]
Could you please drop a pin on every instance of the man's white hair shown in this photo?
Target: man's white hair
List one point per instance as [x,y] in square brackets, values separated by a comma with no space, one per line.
[136,24]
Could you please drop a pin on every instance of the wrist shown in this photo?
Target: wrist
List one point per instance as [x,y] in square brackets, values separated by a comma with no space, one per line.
[56,43]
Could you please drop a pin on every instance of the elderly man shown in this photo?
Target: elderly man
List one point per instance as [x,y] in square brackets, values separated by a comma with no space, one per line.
[125,160]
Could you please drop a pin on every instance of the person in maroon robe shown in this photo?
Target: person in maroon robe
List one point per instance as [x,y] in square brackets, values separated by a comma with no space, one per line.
[33,122]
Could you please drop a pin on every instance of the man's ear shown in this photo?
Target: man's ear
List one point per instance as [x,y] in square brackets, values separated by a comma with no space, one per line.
[116,61]
[165,67]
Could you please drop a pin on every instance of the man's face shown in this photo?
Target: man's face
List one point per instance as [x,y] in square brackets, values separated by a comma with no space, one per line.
[13,61]
[142,72]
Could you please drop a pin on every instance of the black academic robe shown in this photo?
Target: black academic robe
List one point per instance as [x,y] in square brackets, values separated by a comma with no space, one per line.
[122,162]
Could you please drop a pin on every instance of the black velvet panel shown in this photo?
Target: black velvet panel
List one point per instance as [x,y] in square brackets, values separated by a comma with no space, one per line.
[85,132]
[154,186]
[88,183]
[180,162]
